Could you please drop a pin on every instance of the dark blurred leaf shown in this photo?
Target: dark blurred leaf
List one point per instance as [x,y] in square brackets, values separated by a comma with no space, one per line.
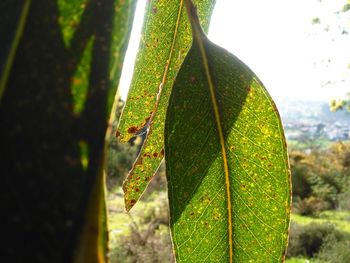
[54,112]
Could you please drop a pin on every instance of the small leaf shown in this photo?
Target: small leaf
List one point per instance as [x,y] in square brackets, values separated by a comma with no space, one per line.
[165,42]
[226,161]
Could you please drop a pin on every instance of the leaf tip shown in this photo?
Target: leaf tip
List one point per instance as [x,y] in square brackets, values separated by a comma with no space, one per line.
[191,8]
[129,200]
[129,204]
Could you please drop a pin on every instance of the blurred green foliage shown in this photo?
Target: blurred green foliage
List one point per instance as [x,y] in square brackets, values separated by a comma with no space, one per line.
[308,240]
[321,180]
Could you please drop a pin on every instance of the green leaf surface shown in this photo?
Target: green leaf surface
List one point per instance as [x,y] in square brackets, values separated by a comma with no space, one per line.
[165,41]
[226,161]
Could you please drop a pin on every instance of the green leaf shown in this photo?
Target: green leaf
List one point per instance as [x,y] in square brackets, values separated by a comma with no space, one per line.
[226,161]
[164,44]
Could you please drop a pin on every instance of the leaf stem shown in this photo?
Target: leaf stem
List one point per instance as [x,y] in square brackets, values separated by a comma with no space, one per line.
[194,19]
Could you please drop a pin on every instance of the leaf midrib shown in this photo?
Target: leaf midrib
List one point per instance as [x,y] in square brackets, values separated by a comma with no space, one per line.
[167,66]
[198,37]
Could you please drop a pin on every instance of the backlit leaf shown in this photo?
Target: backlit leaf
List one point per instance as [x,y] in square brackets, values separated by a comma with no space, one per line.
[226,161]
[164,43]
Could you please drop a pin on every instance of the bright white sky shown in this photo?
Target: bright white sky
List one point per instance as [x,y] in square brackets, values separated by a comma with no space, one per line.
[277,40]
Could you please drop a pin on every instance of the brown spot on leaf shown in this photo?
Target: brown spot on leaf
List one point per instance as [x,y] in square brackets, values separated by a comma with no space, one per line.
[145,122]
[132,129]
[125,190]
[137,190]
[132,202]
[155,155]
[117,134]
[162,152]
[147,155]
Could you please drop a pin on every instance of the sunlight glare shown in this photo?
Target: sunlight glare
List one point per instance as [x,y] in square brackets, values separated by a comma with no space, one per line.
[277,40]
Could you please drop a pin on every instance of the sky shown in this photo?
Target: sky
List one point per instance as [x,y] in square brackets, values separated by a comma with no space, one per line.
[294,58]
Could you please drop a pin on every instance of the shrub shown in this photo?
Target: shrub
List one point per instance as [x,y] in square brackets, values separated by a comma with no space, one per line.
[334,250]
[344,198]
[150,245]
[307,240]
[149,240]
[300,174]
[310,206]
